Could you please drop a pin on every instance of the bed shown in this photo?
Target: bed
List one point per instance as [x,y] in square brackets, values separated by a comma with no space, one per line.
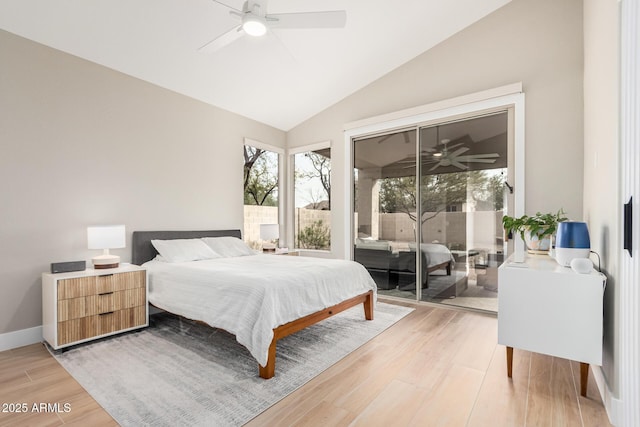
[258,298]
[439,257]
[397,269]
[434,257]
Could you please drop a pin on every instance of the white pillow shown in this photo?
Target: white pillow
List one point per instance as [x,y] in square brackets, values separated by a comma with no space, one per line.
[381,245]
[182,250]
[228,246]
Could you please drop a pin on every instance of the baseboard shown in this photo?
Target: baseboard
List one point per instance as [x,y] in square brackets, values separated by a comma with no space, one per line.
[612,404]
[20,338]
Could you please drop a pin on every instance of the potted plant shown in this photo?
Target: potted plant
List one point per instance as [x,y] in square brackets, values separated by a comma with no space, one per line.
[535,230]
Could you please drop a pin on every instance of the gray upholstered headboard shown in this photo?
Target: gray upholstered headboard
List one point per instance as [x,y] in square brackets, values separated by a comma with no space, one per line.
[142,250]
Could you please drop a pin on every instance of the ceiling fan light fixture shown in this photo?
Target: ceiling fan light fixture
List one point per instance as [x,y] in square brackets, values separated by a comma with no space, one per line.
[254,25]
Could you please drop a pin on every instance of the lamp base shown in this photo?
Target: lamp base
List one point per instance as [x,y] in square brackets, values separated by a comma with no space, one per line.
[105,261]
[101,266]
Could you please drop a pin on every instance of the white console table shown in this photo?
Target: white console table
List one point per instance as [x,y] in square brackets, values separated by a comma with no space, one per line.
[549,309]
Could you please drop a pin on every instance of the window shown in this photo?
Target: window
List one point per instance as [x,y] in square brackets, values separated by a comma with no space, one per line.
[261,189]
[312,197]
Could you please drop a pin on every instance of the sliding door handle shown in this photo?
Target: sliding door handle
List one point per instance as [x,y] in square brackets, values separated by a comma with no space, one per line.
[628,227]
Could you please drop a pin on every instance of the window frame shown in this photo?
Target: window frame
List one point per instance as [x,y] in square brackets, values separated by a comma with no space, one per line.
[291,193]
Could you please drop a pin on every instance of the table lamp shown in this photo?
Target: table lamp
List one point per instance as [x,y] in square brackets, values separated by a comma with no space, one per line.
[269,233]
[106,237]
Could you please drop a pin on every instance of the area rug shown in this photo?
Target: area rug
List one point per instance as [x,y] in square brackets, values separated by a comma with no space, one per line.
[179,372]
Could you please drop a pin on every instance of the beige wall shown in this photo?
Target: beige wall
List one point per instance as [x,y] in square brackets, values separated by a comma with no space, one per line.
[538,43]
[82,144]
[601,161]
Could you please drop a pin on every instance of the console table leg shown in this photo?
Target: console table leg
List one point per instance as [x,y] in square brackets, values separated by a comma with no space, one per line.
[584,378]
[509,361]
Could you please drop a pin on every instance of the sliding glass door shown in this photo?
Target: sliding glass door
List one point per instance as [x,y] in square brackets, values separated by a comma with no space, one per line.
[428,208]
[385,206]
[463,171]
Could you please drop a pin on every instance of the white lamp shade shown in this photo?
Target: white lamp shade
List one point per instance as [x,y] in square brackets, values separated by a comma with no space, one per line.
[269,231]
[106,237]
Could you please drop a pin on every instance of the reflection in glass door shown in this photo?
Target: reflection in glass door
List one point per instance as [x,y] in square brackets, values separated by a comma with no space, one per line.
[385,203]
[454,210]
[462,174]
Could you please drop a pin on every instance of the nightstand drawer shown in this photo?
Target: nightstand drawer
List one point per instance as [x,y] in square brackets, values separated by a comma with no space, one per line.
[75,308]
[95,285]
[100,324]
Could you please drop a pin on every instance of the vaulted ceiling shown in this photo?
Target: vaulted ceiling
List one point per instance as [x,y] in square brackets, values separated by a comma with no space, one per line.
[281,79]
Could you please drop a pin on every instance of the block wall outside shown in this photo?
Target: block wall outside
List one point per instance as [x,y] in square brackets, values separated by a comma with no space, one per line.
[253,217]
[448,228]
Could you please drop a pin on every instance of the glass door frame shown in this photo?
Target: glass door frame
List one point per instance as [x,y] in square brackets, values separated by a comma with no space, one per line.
[511,99]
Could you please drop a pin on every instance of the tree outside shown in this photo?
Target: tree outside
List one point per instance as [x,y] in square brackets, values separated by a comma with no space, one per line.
[312,175]
[316,170]
[315,236]
[442,192]
[260,177]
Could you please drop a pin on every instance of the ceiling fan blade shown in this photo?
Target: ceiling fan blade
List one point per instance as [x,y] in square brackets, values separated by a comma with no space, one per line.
[477,156]
[474,160]
[435,167]
[459,165]
[329,19]
[235,5]
[452,146]
[223,40]
[458,152]
[384,138]
[485,156]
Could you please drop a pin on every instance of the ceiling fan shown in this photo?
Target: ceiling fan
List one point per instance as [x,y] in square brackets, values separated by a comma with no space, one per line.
[255,21]
[445,158]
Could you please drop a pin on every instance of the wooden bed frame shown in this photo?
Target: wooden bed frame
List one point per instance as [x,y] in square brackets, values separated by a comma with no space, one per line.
[291,327]
[143,251]
[445,265]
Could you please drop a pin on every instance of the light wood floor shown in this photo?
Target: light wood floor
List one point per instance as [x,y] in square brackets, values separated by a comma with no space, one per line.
[436,367]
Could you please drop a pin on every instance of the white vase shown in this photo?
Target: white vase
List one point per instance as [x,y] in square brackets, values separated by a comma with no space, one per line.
[535,244]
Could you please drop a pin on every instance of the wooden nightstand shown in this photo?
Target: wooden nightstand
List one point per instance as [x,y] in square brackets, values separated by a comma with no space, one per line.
[85,305]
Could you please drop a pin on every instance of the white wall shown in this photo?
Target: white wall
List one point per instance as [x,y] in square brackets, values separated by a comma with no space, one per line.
[602,204]
[538,43]
[82,145]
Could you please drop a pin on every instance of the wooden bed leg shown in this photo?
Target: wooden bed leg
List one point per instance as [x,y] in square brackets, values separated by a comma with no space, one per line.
[368,306]
[449,268]
[269,371]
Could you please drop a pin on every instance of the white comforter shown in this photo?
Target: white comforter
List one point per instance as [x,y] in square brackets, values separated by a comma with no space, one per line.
[250,295]
[437,253]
